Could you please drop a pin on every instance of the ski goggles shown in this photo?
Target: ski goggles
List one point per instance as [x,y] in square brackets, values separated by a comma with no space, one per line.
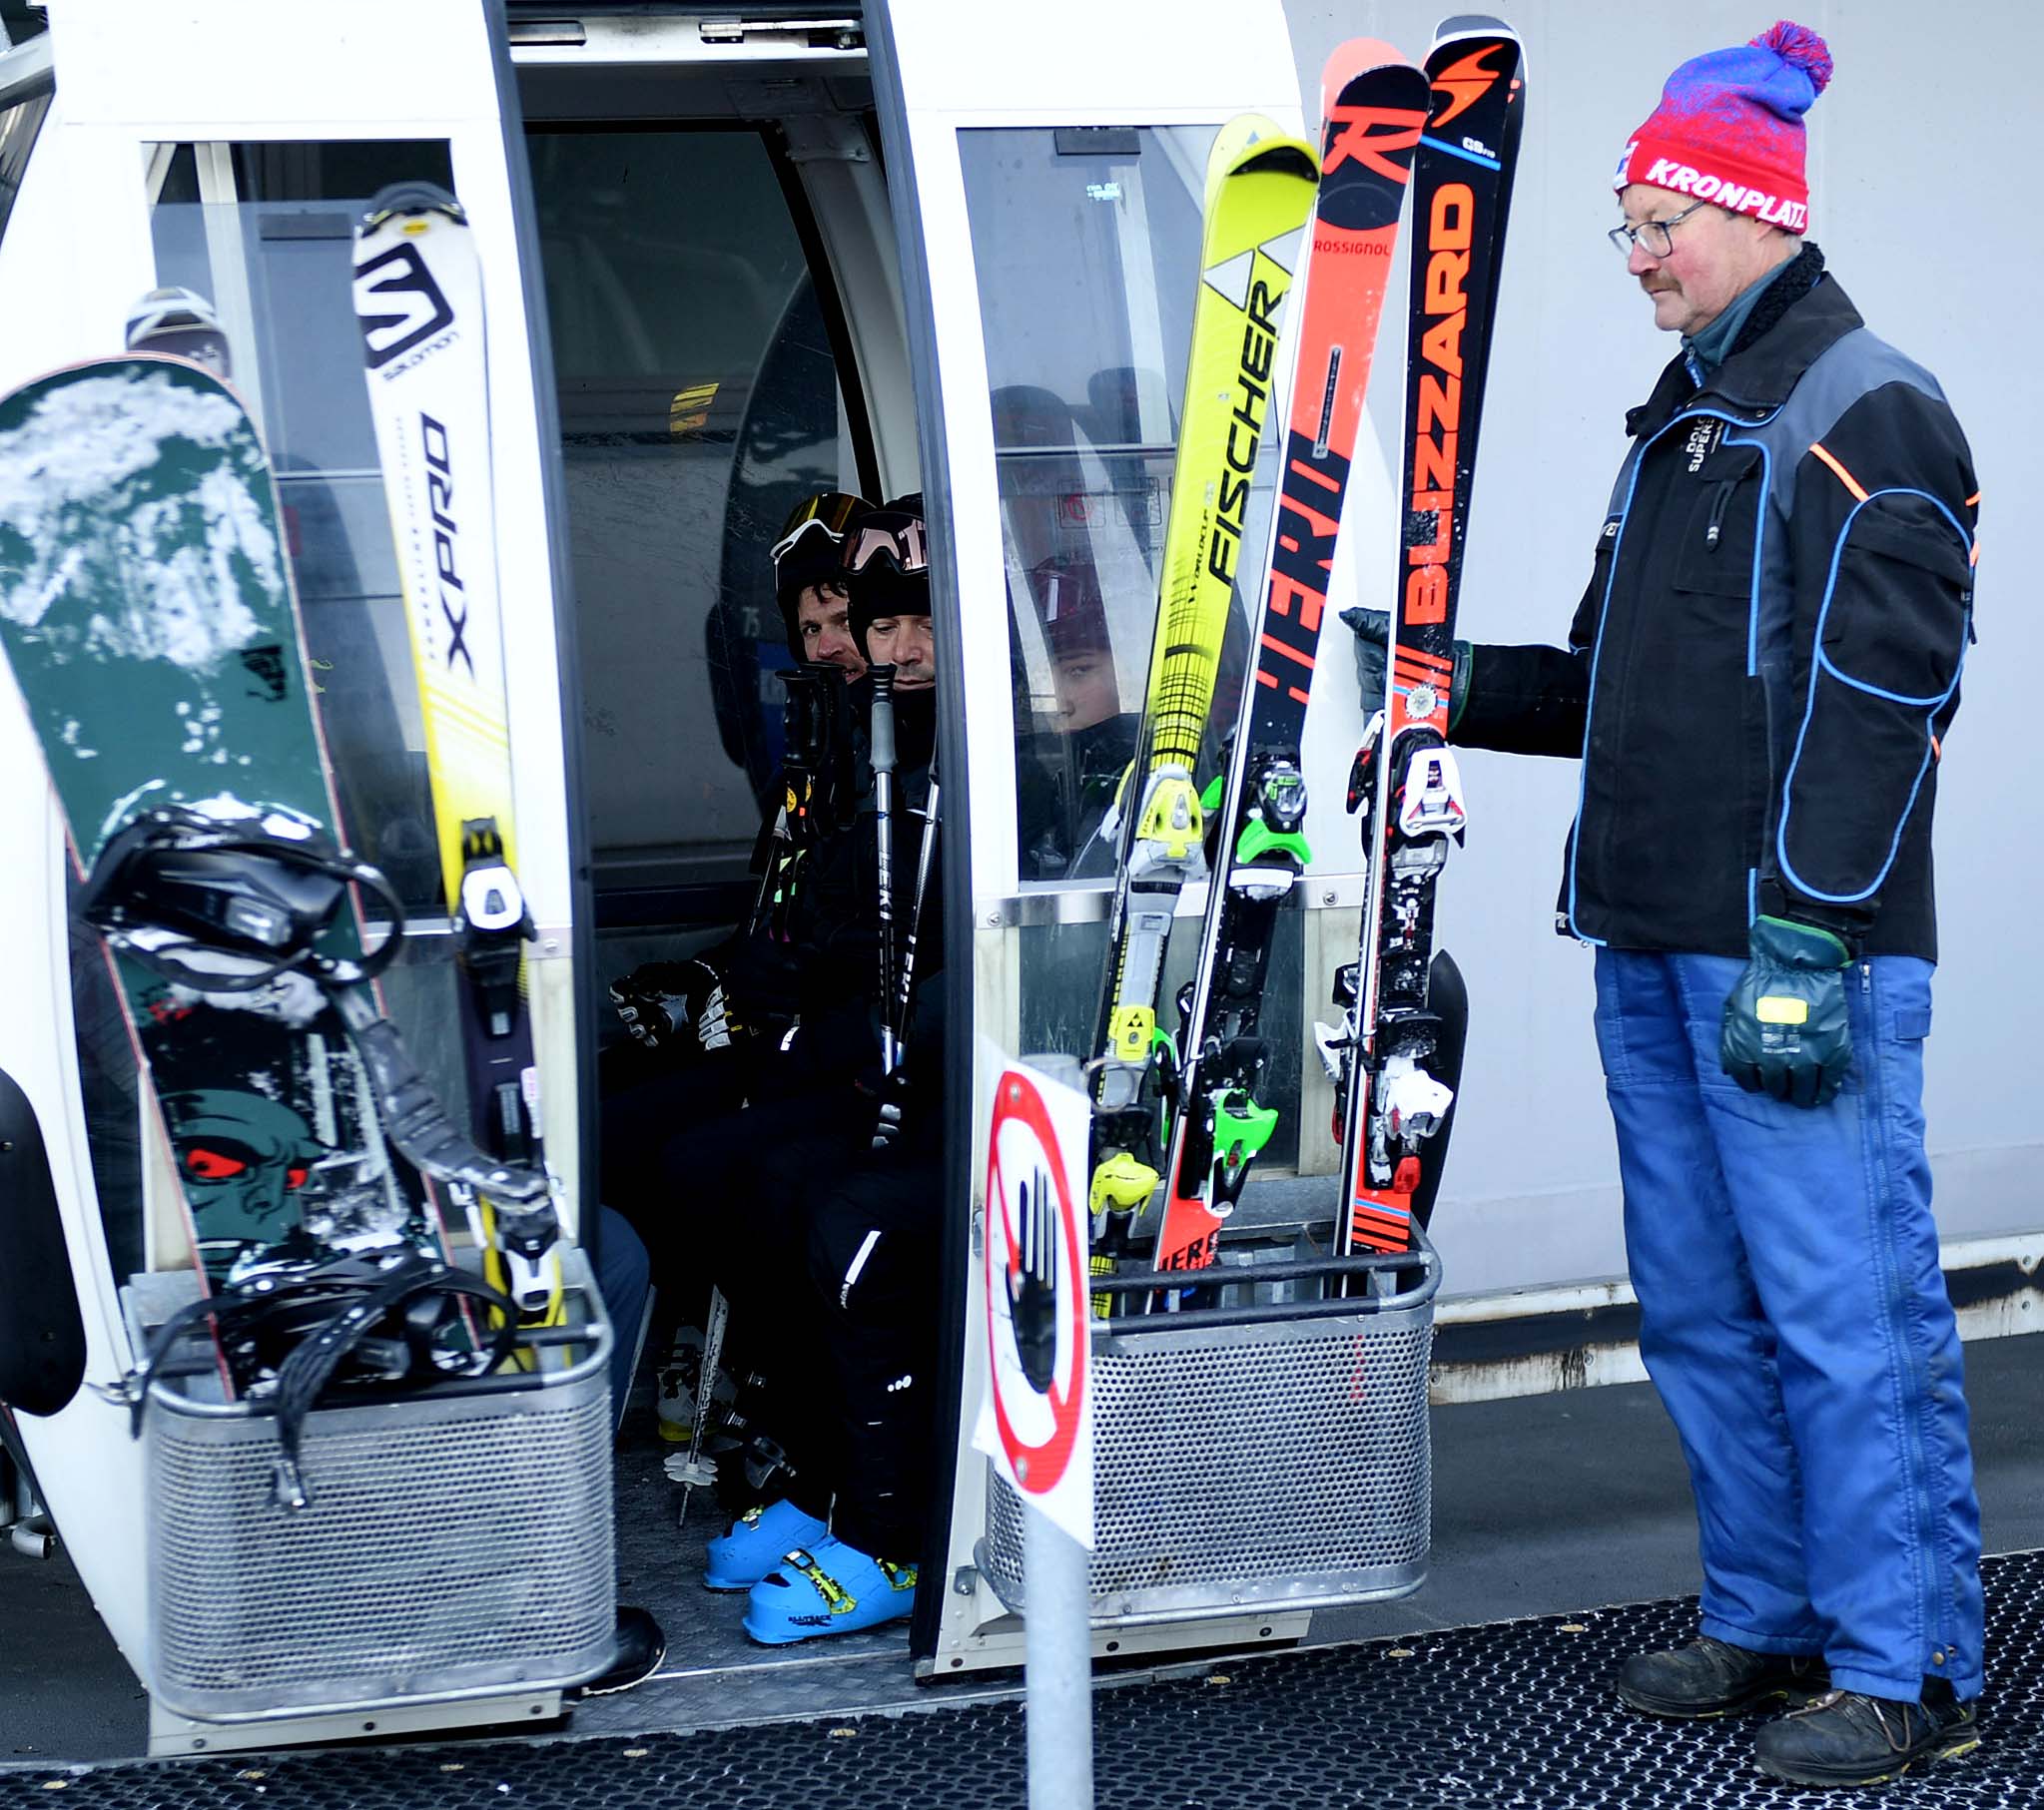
[828,514]
[888,540]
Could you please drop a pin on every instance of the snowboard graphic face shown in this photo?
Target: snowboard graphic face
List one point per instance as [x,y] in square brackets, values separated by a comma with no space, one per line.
[147,612]
[273,1125]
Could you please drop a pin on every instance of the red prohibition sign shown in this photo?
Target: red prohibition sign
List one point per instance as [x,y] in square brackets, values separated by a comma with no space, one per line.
[1038,1468]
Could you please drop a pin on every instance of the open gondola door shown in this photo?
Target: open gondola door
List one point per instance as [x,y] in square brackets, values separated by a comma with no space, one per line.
[228,148]
[1046,174]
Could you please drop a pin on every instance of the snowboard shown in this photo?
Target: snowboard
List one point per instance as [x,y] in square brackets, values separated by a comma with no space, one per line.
[1405,783]
[147,616]
[1373,105]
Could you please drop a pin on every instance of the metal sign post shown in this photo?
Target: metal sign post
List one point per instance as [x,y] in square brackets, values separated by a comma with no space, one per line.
[1037,1422]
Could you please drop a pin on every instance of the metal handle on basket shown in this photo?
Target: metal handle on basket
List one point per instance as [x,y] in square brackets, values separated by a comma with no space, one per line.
[1423,1257]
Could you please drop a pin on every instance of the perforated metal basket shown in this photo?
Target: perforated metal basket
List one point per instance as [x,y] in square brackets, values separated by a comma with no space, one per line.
[456,1543]
[1274,1455]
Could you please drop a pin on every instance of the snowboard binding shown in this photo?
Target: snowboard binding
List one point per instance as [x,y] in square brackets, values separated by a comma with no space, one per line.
[231,903]
[298,1326]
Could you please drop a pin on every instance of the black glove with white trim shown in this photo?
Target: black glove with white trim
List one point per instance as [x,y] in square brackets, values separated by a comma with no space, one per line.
[677,1005]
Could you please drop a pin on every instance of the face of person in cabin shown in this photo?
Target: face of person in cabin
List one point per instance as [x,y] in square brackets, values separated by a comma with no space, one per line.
[823,615]
[904,642]
[1086,690]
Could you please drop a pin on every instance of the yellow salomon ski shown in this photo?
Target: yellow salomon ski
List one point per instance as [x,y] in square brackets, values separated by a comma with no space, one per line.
[418,296]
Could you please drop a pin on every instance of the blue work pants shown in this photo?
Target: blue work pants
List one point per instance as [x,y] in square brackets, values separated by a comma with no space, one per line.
[1795,1322]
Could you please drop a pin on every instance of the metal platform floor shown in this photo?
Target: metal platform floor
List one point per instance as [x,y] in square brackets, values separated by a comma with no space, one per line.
[1514,1714]
[1544,1506]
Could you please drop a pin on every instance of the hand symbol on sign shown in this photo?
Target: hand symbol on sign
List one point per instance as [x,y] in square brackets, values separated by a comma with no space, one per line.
[1033,1282]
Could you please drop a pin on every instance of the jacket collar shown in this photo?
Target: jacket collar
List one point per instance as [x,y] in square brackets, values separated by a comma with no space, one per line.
[1757,379]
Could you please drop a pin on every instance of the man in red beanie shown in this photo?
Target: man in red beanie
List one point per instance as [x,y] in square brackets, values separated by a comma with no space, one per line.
[1759,682]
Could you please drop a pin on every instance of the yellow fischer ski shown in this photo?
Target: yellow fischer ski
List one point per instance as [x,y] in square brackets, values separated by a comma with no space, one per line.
[1260,183]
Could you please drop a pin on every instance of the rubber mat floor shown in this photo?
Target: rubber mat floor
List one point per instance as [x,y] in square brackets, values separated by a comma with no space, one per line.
[1514,1714]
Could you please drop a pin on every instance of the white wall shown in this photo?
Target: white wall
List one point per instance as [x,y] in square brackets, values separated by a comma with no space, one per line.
[1905,146]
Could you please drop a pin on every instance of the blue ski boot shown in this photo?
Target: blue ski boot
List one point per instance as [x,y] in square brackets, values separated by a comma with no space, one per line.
[830,1588]
[738,1559]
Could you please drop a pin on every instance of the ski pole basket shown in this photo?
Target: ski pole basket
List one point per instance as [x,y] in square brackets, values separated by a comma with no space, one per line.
[1272,1452]
[456,1540]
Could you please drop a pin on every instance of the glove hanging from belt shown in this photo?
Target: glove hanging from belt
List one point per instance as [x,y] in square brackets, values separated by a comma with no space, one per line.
[1787,1032]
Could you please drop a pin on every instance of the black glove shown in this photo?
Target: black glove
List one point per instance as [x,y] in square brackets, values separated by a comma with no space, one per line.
[1787,1032]
[665,1003]
[1373,635]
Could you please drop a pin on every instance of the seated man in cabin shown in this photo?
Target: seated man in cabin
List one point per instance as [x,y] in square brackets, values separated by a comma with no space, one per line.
[681,1008]
[693,1063]
[837,1248]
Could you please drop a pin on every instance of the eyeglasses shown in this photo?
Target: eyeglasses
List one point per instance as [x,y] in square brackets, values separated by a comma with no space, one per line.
[1658,236]
[828,514]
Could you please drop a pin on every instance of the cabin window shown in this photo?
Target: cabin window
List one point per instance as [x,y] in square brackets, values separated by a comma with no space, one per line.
[265,233]
[1086,245]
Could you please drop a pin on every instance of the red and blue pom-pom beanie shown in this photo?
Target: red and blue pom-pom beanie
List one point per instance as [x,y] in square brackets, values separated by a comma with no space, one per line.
[1728,128]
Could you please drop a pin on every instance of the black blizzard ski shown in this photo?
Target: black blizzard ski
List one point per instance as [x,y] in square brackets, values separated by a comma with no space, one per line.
[1390,1048]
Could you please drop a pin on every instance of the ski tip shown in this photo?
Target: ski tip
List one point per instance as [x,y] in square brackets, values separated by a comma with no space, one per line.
[1361,94]
[1472,25]
[1464,68]
[1294,157]
[1251,142]
[1358,57]
[411,199]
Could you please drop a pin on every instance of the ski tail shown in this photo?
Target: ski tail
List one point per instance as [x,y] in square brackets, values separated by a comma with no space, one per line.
[1394,1101]
[1259,194]
[1373,109]
[419,299]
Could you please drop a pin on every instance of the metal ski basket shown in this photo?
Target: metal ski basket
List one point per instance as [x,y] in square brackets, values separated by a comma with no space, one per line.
[1272,1453]
[457,1541]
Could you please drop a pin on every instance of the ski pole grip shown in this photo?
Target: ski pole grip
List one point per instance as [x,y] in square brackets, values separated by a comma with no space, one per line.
[882,725]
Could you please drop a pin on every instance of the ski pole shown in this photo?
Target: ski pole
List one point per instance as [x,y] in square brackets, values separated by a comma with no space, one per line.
[890,1122]
[883,728]
[905,982]
[776,842]
[811,736]
[696,1469]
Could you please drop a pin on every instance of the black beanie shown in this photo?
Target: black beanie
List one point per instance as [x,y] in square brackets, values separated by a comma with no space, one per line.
[887,565]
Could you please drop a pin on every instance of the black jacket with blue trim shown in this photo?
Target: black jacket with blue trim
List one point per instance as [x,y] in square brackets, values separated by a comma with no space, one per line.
[1763,666]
